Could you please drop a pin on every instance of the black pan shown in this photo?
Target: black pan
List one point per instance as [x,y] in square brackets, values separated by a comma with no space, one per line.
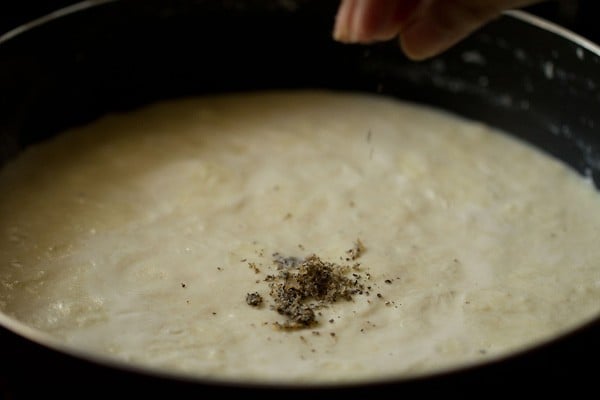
[520,74]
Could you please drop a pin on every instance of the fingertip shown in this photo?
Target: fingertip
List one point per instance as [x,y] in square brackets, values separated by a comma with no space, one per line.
[423,40]
[342,25]
[416,53]
[365,21]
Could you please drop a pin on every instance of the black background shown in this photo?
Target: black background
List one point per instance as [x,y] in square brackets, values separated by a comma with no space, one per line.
[576,15]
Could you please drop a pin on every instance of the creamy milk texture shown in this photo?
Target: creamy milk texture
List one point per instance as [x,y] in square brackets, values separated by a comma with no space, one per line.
[139,236]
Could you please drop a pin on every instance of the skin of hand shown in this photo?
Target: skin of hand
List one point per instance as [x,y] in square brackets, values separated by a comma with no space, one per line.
[425,27]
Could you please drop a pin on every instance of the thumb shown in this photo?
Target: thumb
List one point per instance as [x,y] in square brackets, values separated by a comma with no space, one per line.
[437,25]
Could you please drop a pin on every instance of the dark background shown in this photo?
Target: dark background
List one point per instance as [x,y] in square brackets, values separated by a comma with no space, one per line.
[576,15]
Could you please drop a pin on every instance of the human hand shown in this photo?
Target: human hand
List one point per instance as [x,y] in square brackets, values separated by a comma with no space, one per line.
[425,27]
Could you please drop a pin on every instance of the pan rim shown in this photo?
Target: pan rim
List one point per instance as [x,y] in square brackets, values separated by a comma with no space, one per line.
[552,27]
[51,16]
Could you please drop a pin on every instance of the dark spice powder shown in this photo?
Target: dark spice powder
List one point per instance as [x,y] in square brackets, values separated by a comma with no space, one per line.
[254,299]
[303,286]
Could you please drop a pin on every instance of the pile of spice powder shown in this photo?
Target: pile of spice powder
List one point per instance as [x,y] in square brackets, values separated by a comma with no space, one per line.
[303,286]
